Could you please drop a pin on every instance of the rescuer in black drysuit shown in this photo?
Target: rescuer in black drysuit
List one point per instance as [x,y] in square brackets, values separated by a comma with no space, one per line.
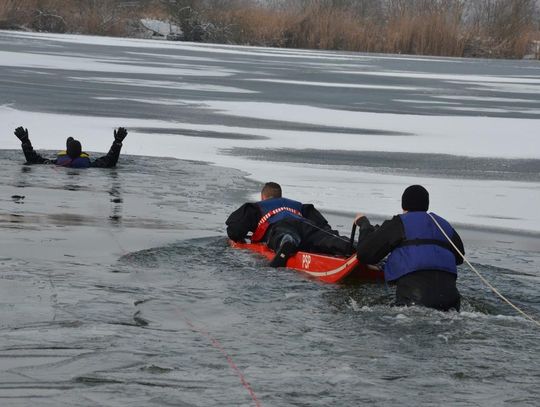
[422,262]
[286,226]
[73,156]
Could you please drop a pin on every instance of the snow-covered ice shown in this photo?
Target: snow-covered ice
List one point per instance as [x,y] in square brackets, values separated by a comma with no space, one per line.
[268,95]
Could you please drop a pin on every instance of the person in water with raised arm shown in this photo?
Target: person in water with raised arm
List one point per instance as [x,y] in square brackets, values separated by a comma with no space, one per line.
[73,156]
[286,226]
[422,261]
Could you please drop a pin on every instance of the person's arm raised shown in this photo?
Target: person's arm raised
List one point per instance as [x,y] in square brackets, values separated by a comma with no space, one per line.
[31,156]
[110,160]
[22,134]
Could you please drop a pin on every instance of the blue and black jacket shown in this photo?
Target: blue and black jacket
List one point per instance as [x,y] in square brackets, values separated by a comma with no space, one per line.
[414,243]
[272,211]
[250,217]
[64,160]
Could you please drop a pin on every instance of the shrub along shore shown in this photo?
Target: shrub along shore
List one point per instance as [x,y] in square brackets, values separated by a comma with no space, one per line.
[458,28]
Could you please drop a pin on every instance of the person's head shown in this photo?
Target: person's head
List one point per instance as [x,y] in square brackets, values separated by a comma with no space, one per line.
[415,198]
[73,147]
[271,190]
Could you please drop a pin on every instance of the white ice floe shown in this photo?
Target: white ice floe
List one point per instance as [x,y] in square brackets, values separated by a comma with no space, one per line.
[73,63]
[157,101]
[502,110]
[174,57]
[483,99]
[161,84]
[425,101]
[449,77]
[505,87]
[470,136]
[344,85]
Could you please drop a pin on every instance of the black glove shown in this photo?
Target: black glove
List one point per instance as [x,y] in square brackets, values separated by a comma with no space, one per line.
[22,134]
[120,134]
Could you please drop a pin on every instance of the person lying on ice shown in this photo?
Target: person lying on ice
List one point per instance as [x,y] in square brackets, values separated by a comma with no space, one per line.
[422,262]
[73,156]
[286,226]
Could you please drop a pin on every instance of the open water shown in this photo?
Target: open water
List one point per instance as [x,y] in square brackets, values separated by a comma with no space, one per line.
[118,288]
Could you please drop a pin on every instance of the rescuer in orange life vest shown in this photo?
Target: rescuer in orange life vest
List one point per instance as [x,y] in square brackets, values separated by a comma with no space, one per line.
[286,226]
[73,156]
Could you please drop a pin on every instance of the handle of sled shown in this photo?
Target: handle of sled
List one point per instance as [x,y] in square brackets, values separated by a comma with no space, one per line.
[353,232]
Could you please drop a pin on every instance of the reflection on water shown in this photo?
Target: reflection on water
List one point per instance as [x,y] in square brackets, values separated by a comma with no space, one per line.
[115,193]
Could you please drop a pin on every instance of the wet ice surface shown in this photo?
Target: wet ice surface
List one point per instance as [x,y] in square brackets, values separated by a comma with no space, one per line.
[117,288]
[431,165]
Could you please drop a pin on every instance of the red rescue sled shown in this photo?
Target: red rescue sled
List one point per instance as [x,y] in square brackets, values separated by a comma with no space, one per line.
[330,269]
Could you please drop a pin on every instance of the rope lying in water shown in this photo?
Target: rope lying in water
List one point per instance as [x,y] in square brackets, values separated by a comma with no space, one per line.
[530,318]
[216,344]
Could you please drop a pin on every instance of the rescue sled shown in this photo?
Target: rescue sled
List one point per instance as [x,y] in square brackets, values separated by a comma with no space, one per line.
[327,268]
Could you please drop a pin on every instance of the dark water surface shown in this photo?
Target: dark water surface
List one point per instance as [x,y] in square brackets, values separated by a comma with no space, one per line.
[117,288]
[431,165]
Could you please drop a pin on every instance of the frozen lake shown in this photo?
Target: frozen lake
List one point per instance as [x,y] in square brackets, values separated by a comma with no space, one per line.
[346,131]
[117,286]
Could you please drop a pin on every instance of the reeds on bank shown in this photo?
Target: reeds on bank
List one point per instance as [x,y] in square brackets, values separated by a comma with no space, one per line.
[483,28]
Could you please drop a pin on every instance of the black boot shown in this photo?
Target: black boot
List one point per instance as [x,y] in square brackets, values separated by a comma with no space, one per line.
[287,248]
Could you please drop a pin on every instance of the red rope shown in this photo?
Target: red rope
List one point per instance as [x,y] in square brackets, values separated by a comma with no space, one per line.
[216,344]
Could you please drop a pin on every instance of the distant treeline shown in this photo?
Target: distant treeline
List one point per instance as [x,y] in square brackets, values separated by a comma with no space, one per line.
[486,28]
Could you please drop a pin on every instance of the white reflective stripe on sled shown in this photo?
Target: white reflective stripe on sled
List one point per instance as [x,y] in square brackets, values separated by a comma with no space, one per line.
[349,262]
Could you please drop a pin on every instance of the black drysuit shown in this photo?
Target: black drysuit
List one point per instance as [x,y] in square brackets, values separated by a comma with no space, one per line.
[107,161]
[432,288]
[313,232]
